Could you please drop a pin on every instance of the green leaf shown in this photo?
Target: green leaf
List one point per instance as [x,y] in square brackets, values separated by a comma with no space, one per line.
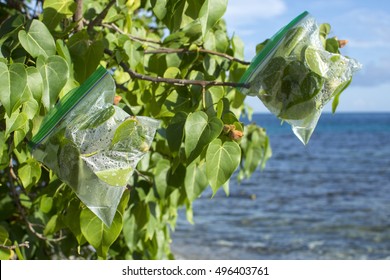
[115,177]
[189,33]
[195,181]
[216,41]
[71,219]
[5,254]
[37,40]
[172,72]
[3,235]
[56,10]
[161,178]
[97,233]
[332,45]
[210,13]
[98,118]
[46,203]
[129,135]
[34,83]
[13,82]
[52,225]
[238,47]
[55,73]
[135,56]
[200,130]
[175,131]
[31,108]
[222,159]
[15,122]
[337,92]
[10,26]
[29,173]
[159,8]
[86,54]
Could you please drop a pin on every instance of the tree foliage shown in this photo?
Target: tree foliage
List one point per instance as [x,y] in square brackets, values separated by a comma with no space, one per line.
[172,60]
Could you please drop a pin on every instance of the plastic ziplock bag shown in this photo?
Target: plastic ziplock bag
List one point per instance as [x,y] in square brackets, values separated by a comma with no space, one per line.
[93,145]
[294,76]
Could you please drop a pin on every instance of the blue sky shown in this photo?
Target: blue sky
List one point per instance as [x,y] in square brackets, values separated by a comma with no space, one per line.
[366,24]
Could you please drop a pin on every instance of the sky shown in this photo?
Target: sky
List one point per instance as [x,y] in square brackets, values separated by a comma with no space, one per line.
[365,24]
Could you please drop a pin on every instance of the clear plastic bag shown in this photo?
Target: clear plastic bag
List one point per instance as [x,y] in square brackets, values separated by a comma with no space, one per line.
[294,76]
[93,145]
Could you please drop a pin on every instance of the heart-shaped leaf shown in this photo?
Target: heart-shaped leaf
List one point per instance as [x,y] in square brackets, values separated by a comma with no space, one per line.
[13,82]
[222,159]
[55,73]
[97,233]
[200,130]
[37,40]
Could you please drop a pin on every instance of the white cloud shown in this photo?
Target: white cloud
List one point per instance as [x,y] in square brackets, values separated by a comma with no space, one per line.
[365,28]
[243,10]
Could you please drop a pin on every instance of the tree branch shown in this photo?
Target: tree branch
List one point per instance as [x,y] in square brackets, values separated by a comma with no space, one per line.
[99,18]
[78,15]
[177,82]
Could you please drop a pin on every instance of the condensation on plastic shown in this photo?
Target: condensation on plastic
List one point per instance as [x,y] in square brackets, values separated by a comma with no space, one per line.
[77,154]
[335,70]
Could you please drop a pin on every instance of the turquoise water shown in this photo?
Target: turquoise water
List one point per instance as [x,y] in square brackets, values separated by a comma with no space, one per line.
[327,200]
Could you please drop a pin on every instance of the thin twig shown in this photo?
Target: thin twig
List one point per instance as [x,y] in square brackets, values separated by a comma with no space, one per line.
[132,37]
[177,82]
[201,50]
[12,247]
[170,50]
[99,18]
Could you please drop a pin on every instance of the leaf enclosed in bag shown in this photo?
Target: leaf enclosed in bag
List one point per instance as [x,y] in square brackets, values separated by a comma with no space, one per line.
[126,130]
[37,40]
[222,159]
[98,118]
[115,177]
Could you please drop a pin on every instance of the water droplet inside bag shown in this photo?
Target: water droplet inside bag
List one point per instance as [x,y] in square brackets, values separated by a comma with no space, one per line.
[303,133]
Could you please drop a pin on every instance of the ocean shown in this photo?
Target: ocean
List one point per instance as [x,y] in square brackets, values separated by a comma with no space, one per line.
[327,200]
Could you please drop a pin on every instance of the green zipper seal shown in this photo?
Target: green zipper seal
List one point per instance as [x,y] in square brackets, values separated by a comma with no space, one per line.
[269,47]
[65,105]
